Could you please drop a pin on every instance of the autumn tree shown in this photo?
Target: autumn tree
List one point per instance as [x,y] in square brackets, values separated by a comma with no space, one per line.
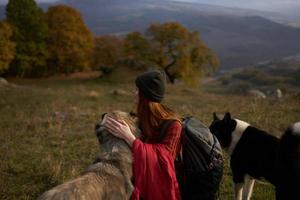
[137,50]
[70,42]
[30,34]
[179,52]
[7,47]
[108,52]
[195,61]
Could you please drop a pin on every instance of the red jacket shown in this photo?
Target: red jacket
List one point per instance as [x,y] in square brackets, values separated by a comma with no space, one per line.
[153,167]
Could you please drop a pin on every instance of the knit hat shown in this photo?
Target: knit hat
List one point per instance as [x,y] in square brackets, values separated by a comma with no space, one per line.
[152,85]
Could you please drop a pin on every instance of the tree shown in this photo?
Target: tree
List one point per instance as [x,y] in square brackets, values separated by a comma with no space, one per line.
[196,61]
[30,34]
[70,42]
[108,53]
[137,50]
[7,47]
[179,52]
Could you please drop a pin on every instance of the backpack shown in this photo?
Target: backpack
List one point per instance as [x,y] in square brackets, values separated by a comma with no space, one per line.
[199,167]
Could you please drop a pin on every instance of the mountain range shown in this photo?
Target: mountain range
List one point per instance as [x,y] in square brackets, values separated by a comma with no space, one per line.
[240,37]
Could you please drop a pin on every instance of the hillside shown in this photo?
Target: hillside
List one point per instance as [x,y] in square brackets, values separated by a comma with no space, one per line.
[239,37]
[47,127]
[266,77]
[2,12]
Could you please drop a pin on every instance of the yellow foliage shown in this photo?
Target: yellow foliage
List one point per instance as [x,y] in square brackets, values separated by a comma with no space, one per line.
[70,41]
[180,53]
[7,47]
[138,49]
[107,52]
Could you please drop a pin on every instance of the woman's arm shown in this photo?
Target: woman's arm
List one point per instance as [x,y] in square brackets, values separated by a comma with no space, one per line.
[121,129]
[153,164]
[153,168]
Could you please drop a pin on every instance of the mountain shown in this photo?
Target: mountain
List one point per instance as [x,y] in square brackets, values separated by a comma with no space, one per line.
[283,73]
[2,12]
[240,37]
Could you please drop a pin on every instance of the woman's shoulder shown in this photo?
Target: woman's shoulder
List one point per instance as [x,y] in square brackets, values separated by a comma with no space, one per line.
[176,123]
[171,124]
[172,133]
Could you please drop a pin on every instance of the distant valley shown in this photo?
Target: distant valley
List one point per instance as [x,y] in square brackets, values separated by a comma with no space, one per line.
[239,37]
[266,77]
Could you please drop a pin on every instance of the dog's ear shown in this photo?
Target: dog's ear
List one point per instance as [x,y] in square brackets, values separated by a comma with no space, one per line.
[227,117]
[102,116]
[215,117]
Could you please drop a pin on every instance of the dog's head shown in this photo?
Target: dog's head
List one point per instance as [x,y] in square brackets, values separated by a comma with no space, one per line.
[290,140]
[105,137]
[223,128]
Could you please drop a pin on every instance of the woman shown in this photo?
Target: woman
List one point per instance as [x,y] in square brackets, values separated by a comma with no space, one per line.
[153,157]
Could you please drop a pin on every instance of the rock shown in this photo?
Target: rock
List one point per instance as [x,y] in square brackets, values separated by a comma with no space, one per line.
[278,94]
[93,94]
[73,109]
[3,82]
[257,94]
[296,95]
[188,91]
[61,116]
[118,92]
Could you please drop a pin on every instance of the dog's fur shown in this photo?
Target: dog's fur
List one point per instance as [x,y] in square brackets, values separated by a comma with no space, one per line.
[253,153]
[289,164]
[109,178]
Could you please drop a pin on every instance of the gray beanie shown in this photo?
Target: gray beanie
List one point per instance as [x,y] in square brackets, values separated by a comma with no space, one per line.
[152,85]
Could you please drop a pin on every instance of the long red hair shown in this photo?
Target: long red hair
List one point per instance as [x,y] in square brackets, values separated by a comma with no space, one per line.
[151,115]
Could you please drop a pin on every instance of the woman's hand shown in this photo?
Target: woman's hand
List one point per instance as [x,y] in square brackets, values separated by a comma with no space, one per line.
[119,129]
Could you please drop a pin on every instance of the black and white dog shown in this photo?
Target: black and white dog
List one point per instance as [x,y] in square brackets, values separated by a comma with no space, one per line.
[288,186]
[253,153]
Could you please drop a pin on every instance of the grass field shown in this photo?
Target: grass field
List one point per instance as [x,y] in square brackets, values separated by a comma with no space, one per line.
[47,137]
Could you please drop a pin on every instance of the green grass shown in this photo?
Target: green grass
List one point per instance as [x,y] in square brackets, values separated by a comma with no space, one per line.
[47,127]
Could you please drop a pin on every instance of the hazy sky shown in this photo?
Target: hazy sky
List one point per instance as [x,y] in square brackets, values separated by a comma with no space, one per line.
[271,5]
[5,1]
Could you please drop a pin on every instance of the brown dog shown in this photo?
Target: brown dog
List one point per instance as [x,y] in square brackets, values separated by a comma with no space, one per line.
[109,178]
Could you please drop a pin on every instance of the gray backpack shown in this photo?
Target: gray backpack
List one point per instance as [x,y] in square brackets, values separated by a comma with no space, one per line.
[199,168]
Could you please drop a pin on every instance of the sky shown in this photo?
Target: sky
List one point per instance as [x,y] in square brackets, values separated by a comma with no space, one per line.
[283,6]
[5,1]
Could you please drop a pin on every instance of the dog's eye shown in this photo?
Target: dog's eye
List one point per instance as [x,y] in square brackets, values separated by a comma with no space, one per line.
[98,129]
[97,126]
[133,114]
